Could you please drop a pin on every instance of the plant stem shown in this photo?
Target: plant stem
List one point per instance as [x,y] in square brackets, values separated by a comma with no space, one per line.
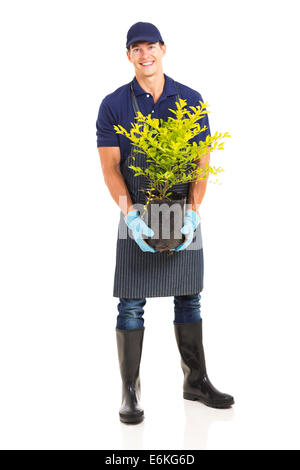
[165,188]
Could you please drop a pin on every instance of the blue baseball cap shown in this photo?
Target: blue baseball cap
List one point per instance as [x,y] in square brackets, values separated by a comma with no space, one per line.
[143,32]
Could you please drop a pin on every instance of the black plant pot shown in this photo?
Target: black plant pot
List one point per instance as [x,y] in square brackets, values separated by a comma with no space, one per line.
[166,218]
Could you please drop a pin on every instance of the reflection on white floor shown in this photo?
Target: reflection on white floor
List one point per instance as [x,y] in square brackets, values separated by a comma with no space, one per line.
[193,422]
[198,421]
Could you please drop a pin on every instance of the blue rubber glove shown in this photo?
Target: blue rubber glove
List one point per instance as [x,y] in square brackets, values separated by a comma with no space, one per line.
[138,227]
[191,222]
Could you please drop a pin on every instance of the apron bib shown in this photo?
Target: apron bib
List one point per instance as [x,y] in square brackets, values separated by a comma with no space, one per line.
[143,274]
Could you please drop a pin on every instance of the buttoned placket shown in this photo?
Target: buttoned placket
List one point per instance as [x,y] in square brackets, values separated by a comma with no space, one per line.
[153,110]
[155,104]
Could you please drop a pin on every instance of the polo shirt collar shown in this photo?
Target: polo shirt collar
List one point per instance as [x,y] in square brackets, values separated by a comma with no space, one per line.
[169,88]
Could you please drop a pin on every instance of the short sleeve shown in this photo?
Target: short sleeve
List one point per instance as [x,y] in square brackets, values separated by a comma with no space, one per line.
[204,121]
[106,135]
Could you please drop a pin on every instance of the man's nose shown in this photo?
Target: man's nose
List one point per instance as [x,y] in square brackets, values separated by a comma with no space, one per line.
[145,55]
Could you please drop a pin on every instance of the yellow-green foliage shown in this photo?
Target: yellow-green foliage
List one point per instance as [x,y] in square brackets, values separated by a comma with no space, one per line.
[172,159]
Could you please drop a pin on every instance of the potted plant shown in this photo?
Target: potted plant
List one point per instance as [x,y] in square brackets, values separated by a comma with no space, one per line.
[170,161]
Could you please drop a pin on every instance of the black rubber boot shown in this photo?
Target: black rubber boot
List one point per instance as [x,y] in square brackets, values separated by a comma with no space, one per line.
[197,385]
[130,344]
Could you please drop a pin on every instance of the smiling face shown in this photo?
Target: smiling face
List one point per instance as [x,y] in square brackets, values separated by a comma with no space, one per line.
[146,57]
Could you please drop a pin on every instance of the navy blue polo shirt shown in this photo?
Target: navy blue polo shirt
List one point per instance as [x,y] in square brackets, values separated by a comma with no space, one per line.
[116,108]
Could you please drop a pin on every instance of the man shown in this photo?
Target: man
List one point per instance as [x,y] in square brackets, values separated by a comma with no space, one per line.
[140,271]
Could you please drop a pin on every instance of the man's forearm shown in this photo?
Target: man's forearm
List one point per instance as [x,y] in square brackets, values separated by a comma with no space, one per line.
[118,189]
[196,194]
[197,190]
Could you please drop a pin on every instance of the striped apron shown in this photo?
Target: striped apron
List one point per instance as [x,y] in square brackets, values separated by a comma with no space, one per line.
[143,274]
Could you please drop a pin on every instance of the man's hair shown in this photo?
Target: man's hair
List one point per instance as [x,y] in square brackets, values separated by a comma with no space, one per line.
[135,43]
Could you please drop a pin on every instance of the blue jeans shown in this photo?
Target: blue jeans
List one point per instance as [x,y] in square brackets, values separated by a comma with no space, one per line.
[131,311]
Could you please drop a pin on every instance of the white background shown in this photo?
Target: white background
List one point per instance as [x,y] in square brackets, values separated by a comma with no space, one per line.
[60,383]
